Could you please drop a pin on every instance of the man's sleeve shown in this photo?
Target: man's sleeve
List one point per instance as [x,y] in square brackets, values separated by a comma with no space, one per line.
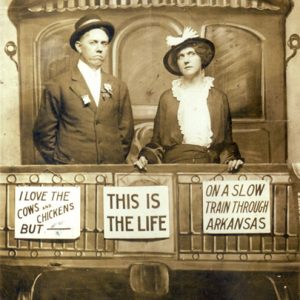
[47,123]
[125,119]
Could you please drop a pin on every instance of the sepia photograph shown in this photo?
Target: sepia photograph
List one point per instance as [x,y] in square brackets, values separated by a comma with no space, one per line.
[150,149]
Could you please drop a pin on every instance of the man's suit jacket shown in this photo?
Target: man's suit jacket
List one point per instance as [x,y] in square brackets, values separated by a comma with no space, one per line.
[68,131]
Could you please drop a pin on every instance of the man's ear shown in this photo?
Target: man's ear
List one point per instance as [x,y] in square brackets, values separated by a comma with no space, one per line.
[78,46]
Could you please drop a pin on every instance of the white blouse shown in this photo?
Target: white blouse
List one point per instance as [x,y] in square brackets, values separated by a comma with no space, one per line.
[193,114]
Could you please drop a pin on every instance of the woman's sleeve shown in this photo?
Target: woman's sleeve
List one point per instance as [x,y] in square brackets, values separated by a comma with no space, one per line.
[230,150]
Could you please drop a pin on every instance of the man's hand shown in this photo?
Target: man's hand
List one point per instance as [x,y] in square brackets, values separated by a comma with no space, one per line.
[234,165]
[141,163]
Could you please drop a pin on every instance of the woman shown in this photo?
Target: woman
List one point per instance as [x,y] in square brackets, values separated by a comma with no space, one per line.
[193,122]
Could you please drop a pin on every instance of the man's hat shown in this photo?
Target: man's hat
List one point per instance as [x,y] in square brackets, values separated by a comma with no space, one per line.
[189,38]
[87,23]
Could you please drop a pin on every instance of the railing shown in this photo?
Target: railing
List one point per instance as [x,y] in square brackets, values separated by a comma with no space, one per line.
[187,247]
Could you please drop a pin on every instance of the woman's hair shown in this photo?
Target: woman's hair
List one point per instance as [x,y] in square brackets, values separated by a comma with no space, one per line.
[203,50]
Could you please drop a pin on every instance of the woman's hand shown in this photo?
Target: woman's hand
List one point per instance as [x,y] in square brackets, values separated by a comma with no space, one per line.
[234,165]
[141,163]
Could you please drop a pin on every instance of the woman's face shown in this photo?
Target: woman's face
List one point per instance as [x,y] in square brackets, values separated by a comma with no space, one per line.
[189,62]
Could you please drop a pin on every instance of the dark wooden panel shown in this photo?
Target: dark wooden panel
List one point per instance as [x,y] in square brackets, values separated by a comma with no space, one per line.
[11,241]
[140,62]
[279,244]
[220,244]
[254,144]
[82,206]
[99,208]
[109,245]
[3,242]
[261,142]
[267,243]
[68,245]
[90,241]
[292,212]
[36,244]
[58,245]
[293,244]
[232,243]
[90,207]
[11,206]
[208,243]
[196,208]
[3,206]
[243,243]
[79,244]
[255,243]
[280,209]
[197,243]
[184,242]
[237,68]
[23,244]
[100,244]
[184,208]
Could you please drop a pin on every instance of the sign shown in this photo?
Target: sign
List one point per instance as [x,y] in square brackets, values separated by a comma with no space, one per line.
[47,212]
[139,212]
[236,207]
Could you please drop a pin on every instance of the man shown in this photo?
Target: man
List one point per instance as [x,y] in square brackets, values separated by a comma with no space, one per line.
[85,116]
[193,122]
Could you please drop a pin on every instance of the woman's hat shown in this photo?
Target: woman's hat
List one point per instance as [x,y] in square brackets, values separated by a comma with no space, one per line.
[87,23]
[189,38]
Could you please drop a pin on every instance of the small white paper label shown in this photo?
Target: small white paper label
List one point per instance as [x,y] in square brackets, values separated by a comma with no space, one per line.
[236,207]
[139,212]
[47,212]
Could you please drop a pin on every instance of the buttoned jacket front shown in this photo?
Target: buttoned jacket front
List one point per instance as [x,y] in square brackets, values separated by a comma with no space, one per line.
[71,130]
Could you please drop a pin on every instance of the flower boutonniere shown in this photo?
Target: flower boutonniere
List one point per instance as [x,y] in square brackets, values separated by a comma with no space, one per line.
[86,100]
[107,90]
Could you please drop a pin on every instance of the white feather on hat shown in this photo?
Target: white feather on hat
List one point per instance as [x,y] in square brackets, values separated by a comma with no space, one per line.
[188,33]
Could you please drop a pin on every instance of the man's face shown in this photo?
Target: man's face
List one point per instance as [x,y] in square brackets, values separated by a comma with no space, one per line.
[93,47]
[189,62]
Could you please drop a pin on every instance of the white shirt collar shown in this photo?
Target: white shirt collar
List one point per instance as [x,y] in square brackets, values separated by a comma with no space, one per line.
[92,78]
[85,68]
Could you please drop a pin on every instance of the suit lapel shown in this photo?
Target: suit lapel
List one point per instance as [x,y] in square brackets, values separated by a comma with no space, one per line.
[105,98]
[80,88]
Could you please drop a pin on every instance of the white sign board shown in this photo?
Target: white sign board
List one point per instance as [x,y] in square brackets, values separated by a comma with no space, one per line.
[139,212]
[47,212]
[236,207]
